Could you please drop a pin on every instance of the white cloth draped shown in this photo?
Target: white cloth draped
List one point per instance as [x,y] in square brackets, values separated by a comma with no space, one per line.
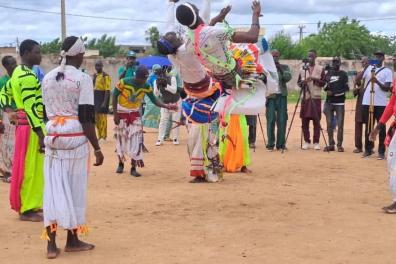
[66,173]
[391,160]
[129,139]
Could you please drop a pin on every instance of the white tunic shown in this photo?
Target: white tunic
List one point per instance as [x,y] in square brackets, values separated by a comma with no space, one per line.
[66,158]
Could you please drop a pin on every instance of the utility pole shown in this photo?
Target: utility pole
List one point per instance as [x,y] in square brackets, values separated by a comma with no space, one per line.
[301,31]
[63,19]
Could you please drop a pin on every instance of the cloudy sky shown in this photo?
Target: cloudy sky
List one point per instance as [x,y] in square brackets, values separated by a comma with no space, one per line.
[285,14]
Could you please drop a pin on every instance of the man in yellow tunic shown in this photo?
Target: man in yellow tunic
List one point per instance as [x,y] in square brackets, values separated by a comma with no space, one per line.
[127,100]
[102,82]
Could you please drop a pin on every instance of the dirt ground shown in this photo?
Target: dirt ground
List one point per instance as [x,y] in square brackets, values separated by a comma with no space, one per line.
[296,207]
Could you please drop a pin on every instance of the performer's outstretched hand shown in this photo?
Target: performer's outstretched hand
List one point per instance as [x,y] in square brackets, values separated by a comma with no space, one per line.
[256,7]
[224,12]
[99,158]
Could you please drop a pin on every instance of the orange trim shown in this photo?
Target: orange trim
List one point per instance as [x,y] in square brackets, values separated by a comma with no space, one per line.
[61,120]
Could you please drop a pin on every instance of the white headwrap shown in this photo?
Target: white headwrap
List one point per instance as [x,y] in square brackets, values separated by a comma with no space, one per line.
[76,49]
[194,13]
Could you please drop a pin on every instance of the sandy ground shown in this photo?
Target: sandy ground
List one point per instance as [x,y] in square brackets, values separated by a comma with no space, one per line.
[296,207]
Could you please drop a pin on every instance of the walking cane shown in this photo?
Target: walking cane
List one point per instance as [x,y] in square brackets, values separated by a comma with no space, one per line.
[262,130]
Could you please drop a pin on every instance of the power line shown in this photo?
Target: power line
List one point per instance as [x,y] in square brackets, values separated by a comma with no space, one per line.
[160,21]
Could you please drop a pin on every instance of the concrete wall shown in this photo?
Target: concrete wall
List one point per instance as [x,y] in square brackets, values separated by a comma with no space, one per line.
[111,66]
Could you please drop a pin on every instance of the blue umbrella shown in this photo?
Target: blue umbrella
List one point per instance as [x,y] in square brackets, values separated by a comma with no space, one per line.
[149,61]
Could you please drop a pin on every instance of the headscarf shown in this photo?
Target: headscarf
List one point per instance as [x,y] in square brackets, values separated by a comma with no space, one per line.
[186,15]
[77,48]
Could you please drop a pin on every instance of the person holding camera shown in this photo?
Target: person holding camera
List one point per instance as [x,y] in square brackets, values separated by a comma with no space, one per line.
[376,95]
[129,70]
[336,86]
[311,80]
[165,87]
[276,107]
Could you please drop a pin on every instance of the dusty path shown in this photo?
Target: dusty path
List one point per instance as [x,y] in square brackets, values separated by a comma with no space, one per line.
[297,207]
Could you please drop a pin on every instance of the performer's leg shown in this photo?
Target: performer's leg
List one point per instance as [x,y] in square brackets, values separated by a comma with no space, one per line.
[195,149]
[74,244]
[52,250]
[205,12]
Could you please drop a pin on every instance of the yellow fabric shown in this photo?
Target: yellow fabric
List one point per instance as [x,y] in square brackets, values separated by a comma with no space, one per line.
[131,97]
[101,125]
[102,82]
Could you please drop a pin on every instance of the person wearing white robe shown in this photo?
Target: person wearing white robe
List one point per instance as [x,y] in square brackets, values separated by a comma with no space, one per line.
[69,103]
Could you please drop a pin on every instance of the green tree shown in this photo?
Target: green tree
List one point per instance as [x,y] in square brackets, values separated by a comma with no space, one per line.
[346,38]
[106,46]
[152,36]
[285,45]
[51,47]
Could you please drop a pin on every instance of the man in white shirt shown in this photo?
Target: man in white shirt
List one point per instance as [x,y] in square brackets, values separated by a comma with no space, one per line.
[381,82]
[165,87]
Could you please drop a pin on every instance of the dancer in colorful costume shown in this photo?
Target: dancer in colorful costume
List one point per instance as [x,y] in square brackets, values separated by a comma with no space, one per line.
[202,91]
[127,101]
[26,194]
[69,98]
[7,111]
[233,66]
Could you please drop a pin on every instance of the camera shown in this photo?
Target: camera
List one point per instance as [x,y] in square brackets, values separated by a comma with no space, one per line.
[329,67]
[305,66]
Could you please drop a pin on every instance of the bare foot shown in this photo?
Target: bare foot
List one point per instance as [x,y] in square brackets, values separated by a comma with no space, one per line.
[31,216]
[79,246]
[244,169]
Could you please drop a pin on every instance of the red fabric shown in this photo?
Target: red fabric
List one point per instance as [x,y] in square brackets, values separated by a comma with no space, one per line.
[22,134]
[129,118]
[56,135]
[197,173]
[390,107]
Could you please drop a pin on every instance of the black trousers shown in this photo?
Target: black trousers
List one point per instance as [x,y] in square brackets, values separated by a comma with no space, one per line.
[378,110]
[252,123]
